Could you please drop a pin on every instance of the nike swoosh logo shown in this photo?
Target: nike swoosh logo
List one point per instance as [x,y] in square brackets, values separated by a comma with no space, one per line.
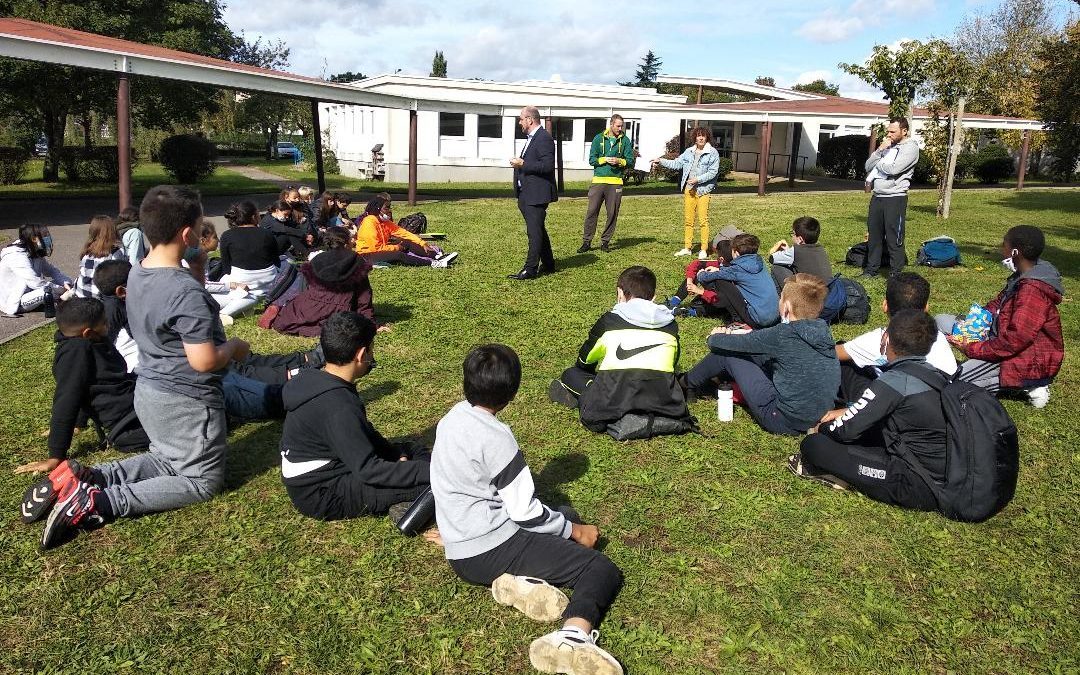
[623,354]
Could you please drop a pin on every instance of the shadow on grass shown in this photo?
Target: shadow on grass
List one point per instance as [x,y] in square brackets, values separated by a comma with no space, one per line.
[389,312]
[574,261]
[377,391]
[252,455]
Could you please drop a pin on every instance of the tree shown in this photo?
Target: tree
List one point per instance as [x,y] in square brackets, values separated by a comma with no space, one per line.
[1057,100]
[765,81]
[266,112]
[900,74]
[44,95]
[347,76]
[438,65]
[819,87]
[647,72]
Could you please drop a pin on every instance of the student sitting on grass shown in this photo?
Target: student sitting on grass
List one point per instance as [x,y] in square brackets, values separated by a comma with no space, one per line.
[497,533]
[744,288]
[333,462]
[102,244]
[178,395]
[861,359]
[627,364]
[1025,348]
[90,376]
[803,254]
[788,374]
[851,446]
[27,279]
[110,278]
[381,241]
[703,301]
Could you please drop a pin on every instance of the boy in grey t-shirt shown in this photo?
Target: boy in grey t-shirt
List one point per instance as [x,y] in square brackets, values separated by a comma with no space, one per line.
[178,396]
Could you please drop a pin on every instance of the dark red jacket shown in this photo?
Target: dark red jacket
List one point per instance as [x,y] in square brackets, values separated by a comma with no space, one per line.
[1026,334]
[337,281]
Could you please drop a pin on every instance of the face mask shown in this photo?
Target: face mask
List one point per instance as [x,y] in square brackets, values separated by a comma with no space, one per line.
[46,243]
[280,219]
[784,319]
[191,253]
[1008,262]
[384,217]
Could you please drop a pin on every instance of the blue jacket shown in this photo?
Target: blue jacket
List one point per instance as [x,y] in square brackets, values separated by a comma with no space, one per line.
[754,282]
[705,173]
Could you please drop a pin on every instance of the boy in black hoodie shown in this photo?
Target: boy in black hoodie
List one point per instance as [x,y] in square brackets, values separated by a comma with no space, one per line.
[90,376]
[333,462]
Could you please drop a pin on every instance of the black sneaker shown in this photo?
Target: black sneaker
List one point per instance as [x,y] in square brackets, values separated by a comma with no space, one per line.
[606,247]
[77,512]
[561,395]
[39,498]
[795,466]
[584,248]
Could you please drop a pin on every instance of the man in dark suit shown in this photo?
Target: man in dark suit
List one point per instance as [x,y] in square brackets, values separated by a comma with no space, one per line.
[534,185]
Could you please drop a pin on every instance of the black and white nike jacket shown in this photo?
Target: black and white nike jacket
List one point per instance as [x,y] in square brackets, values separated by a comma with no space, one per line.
[328,446]
[633,349]
[899,406]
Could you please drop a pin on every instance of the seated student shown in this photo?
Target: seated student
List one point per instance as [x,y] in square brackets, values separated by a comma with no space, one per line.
[851,446]
[627,364]
[233,297]
[804,254]
[788,374]
[27,279]
[744,288]
[131,237]
[702,300]
[497,533]
[290,237]
[90,376]
[102,243]
[183,351]
[380,240]
[337,281]
[110,278]
[333,462]
[249,254]
[861,359]
[1025,348]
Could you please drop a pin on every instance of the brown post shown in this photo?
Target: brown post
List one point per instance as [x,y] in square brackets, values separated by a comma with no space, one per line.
[548,125]
[1024,149]
[316,129]
[796,140]
[873,138]
[763,159]
[412,158]
[699,94]
[558,154]
[123,139]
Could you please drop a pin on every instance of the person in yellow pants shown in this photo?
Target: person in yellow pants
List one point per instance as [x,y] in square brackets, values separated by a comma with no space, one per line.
[699,165]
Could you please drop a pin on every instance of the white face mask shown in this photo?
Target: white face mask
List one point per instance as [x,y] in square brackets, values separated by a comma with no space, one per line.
[784,319]
[1008,262]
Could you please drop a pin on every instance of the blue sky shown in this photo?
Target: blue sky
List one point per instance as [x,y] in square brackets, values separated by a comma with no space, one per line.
[598,42]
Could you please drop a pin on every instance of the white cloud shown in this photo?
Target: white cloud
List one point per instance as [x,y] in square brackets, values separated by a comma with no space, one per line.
[836,26]
[830,29]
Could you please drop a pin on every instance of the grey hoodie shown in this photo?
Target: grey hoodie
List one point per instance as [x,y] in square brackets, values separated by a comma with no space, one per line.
[897,163]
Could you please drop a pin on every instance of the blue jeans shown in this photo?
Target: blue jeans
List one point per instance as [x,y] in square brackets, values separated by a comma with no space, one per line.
[756,387]
[250,399]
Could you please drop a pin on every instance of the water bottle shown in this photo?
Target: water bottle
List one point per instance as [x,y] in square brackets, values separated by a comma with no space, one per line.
[419,515]
[725,403]
[50,302]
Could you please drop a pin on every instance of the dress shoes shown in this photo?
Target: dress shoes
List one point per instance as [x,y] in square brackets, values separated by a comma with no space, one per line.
[524,275]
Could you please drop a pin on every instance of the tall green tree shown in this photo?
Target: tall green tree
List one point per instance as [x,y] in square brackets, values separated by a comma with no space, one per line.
[45,95]
[1057,99]
[765,81]
[900,73]
[438,65]
[347,76]
[647,72]
[818,87]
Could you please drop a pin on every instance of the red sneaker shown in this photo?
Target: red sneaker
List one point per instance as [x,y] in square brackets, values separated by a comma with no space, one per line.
[79,511]
[39,498]
[268,316]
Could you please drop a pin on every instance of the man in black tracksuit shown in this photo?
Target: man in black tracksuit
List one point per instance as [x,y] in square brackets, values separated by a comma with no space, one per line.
[855,445]
[627,364]
[333,462]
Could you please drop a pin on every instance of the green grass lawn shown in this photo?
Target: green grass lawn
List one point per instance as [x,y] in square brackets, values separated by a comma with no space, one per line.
[731,563]
[144,176]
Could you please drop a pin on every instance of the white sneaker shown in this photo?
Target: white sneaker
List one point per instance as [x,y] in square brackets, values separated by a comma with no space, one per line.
[702,254]
[226,320]
[572,652]
[681,252]
[444,260]
[535,598]
[1039,396]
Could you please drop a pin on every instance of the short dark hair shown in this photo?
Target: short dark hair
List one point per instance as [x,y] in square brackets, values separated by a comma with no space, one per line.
[1028,240]
[343,334]
[491,375]
[336,237]
[745,244]
[808,228]
[79,313]
[637,282]
[723,249]
[111,274]
[166,210]
[902,121]
[906,290]
[912,332]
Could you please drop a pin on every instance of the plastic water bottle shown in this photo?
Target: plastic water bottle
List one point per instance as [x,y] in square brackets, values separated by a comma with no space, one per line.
[49,301]
[725,403]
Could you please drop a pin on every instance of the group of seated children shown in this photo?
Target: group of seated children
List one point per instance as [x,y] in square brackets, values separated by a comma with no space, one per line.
[382,241]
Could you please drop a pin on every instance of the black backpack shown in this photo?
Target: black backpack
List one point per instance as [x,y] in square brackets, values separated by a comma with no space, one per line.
[856,255]
[414,222]
[982,454]
[288,278]
[847,302]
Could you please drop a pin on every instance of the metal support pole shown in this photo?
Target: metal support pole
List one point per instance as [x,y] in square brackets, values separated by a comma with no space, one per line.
[873,138]
[412,158]
[796,141]
[316,129]
[763,159]
[123,139]
[559,154]
[1024,149]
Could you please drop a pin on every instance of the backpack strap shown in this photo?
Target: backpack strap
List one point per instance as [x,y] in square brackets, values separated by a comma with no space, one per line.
[900,449]
[932,381]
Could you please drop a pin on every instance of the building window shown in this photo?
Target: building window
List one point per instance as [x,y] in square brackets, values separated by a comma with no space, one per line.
[594,126]
[518,133]
[451,124]
[565,129]
[825,132]
[489,126]
[748,129]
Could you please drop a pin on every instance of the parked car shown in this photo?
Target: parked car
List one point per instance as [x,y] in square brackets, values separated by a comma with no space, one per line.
[41,148]
[287,149]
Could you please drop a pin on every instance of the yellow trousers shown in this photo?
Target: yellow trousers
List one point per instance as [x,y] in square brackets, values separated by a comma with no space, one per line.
[695,207]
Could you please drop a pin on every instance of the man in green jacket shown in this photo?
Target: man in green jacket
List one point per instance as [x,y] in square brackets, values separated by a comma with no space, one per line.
[611,154]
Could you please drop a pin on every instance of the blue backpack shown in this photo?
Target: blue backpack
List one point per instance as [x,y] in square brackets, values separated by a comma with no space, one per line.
[938,252]
[847,302]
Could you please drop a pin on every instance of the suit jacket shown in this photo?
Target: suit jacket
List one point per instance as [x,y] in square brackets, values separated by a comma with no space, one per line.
[537,175]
